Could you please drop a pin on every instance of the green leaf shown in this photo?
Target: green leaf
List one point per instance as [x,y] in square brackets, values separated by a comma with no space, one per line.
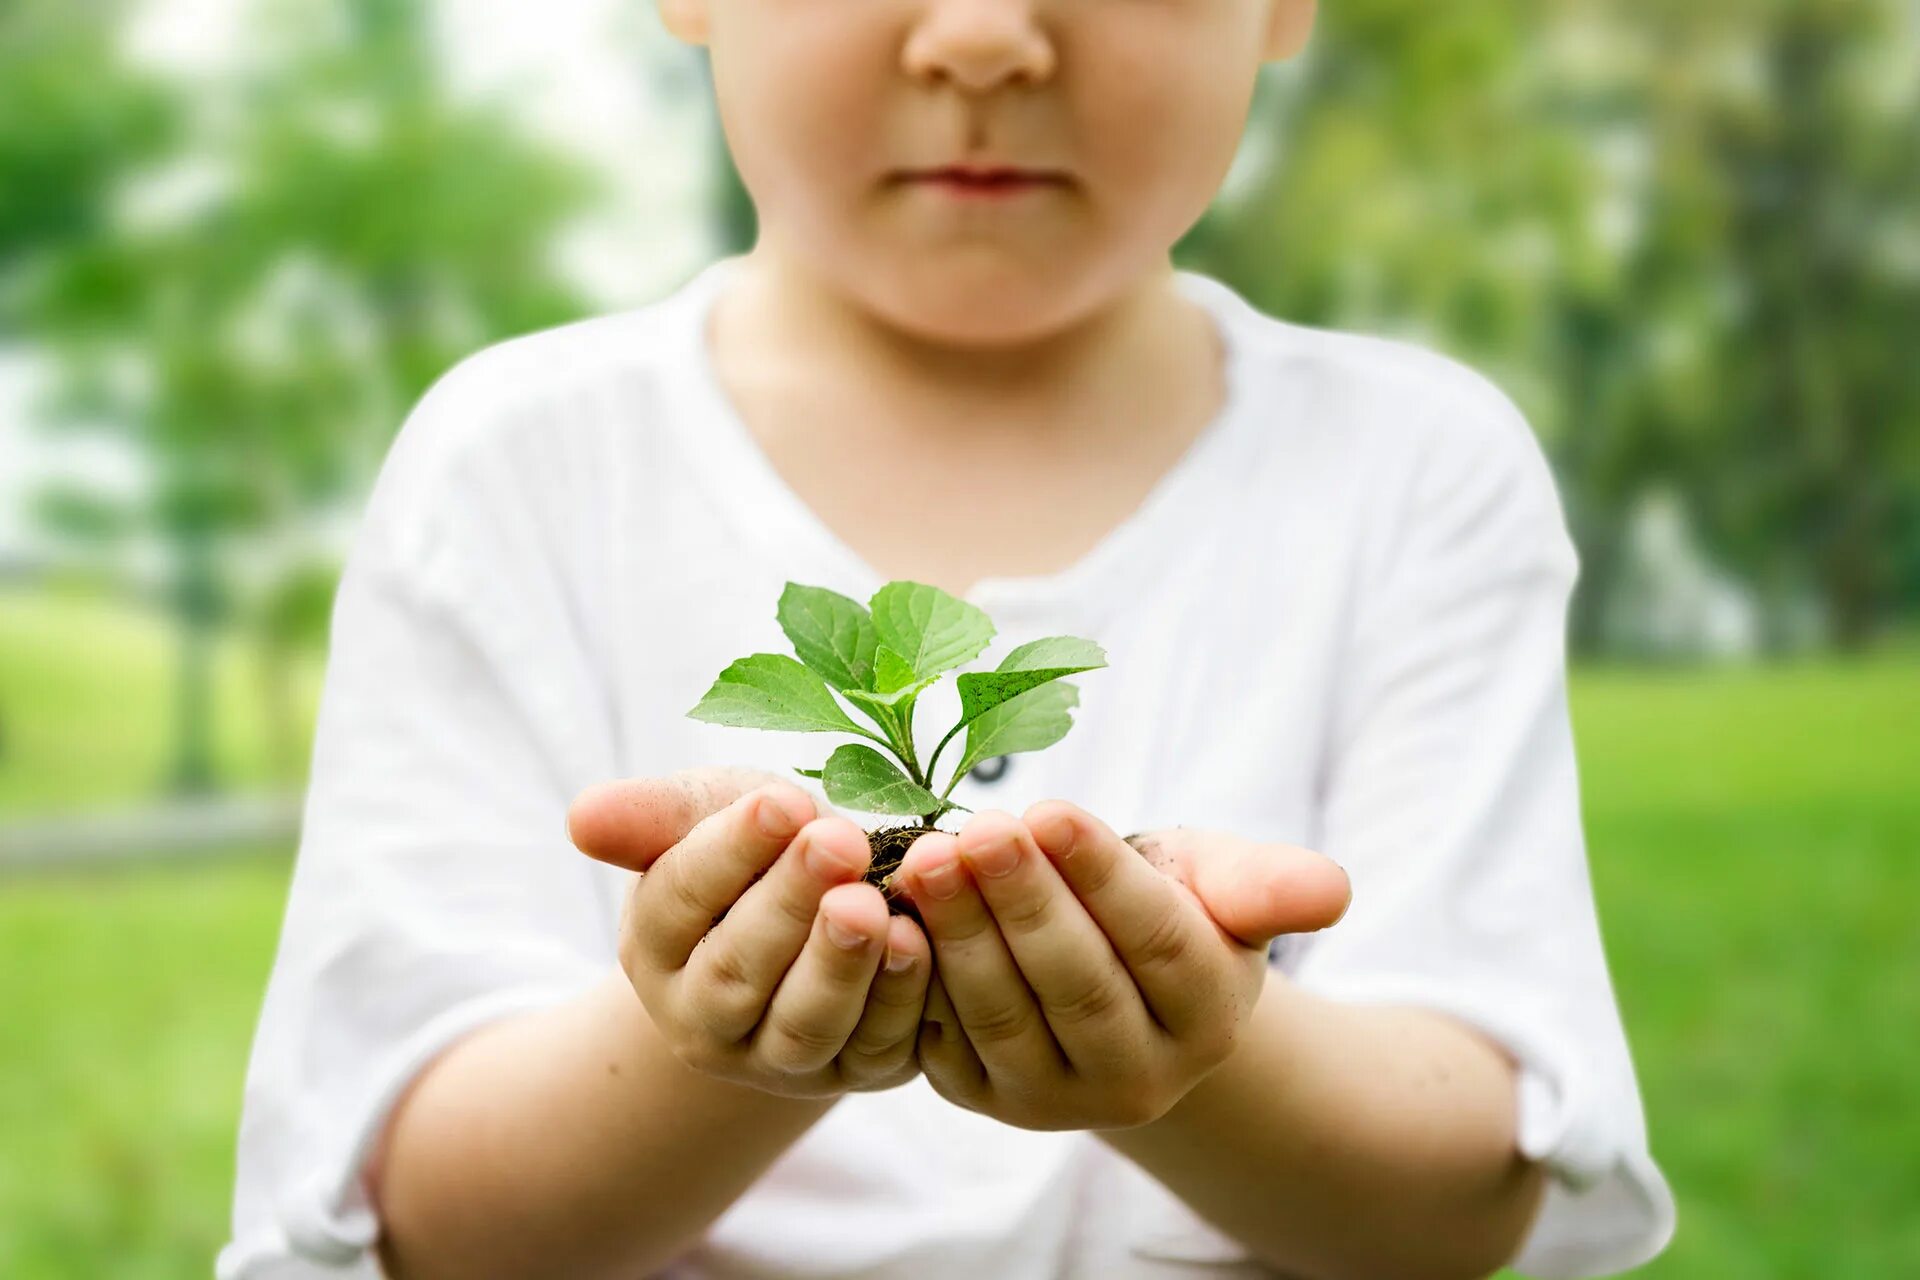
[1028,721]
[891,672]
[883,703]
[858,777]
[880,710]
[1033,663]
[894,683]
[930,629]
[772,691]
[810,773]
[832,633]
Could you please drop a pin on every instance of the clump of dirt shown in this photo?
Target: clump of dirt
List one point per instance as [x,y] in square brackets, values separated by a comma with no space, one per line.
[888,847]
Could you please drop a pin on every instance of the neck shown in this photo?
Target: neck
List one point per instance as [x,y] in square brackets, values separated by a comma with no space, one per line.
[1097,364]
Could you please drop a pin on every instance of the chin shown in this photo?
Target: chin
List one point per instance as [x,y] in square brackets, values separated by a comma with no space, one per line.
[970,307]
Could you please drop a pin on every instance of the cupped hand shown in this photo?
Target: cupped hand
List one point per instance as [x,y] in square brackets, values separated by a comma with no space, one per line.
[1082,985]
[759,952]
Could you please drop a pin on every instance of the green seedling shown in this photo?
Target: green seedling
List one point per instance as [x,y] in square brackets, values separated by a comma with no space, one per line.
[880,657]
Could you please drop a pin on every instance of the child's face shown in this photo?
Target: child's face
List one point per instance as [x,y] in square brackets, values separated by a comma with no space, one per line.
[1140,104]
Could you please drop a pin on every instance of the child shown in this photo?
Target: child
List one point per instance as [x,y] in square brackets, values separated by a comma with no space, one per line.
[1330,574]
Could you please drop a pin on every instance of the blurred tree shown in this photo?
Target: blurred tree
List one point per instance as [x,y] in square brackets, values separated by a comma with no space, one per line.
[74,119]
[1813,480]
[1683,237]
[1433,174]
[291,615]
[334,234]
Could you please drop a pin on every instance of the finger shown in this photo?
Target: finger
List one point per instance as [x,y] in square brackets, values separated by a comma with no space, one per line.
[995,1007]
[1151,924]
[1256,890]
[1085,993]
[946,1056]
[741,961]
[629,822]
[882,1045]
[684,893]
[819,1001]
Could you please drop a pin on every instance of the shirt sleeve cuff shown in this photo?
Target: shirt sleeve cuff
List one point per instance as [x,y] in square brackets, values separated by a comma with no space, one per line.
[1607,1206]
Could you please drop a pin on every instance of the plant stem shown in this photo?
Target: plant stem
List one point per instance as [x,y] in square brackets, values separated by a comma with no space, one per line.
[952,783]
[887,721]
[903,751]
[903,717]
[935,758]
[868,733]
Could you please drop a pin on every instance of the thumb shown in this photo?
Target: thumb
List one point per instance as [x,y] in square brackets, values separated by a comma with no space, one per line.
[630,822]
[1256,890]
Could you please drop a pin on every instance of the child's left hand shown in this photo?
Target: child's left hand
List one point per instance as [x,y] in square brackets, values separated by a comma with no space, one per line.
[1087,986]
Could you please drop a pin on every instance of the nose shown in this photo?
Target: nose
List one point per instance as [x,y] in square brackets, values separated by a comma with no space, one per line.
[978,44]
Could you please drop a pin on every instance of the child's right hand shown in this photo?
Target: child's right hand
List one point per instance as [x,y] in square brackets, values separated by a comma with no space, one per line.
[763,996]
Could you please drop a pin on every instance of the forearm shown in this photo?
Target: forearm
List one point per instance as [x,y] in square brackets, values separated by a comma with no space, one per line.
[569,1142]
[1348,1141]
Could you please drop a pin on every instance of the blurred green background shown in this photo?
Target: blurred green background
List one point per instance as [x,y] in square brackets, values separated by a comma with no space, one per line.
[239,237]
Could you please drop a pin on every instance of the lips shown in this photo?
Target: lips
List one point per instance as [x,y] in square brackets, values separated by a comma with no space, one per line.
[997,176]
[959,174]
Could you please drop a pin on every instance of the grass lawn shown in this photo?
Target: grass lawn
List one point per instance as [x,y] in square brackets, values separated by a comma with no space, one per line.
[86,703]
[1755,842]
[129,1002]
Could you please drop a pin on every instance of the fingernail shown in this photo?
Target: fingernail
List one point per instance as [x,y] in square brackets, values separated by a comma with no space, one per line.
[824,863]
[843,937]
[997,857]
[942,881]
[774,819]
[899,961]
[1055,836]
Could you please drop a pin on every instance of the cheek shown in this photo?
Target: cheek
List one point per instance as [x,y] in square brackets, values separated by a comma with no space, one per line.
[801,101]
[1161,111]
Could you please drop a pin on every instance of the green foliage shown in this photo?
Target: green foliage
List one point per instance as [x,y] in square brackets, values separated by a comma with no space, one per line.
[832,634]
[881,656]
[861,778]
[1028,722]
[929,629]
[1681,236]
[75,118]
[342,241]
[772,691]
[1033,663]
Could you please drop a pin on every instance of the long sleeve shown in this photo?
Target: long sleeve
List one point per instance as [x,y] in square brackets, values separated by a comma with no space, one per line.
[1452,799]
[434,888]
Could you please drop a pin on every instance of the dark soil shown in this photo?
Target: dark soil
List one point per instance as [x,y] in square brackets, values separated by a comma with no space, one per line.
[888,847]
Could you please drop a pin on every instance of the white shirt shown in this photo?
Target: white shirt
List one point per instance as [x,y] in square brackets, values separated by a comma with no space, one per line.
[1338,621]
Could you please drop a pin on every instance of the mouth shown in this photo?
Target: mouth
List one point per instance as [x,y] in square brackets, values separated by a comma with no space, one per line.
[988,183]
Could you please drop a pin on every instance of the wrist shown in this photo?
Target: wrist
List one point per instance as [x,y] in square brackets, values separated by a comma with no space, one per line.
[655,1058]
[1212,1099]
